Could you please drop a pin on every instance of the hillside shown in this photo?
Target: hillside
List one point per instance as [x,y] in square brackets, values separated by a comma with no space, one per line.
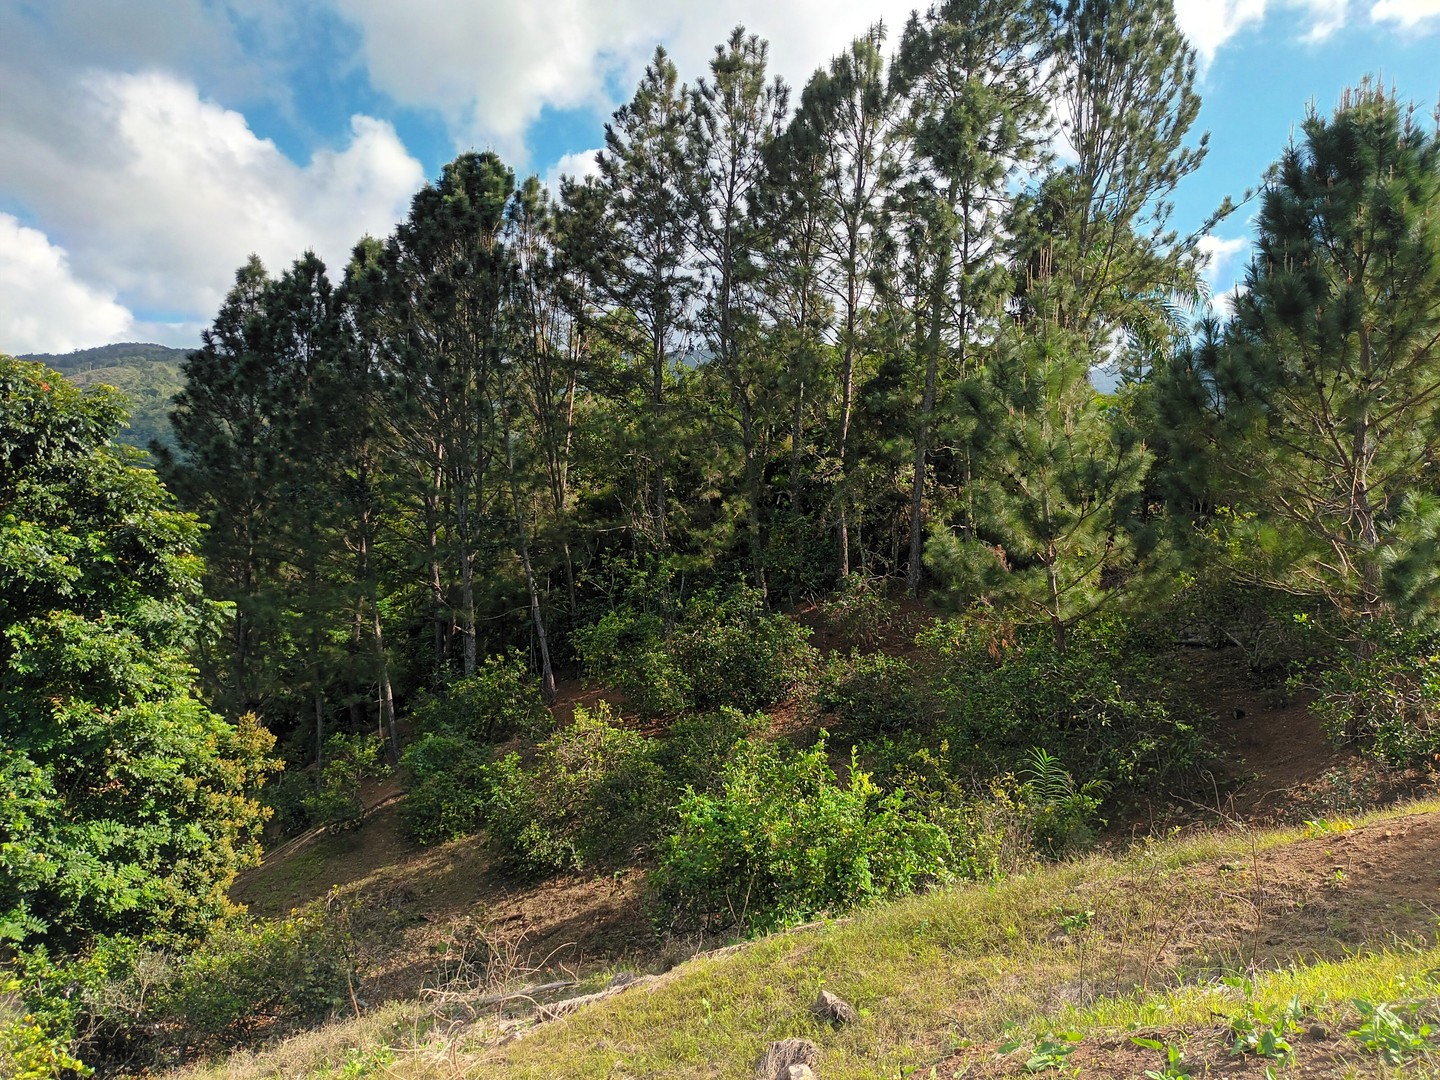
[1134,942]
[1192,943]
[149,375]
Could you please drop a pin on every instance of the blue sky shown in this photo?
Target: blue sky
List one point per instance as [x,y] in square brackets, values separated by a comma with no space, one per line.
[148,146]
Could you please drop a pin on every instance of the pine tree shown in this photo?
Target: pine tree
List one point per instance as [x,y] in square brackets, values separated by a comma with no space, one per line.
[1329,373]
[970,71]
[737,115]
[637,262]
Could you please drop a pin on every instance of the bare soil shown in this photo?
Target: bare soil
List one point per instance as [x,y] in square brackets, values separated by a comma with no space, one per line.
[422,916]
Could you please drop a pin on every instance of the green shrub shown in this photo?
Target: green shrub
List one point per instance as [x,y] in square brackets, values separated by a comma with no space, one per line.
[737,655]
[27,1050]
[1103,704]
[627,650]
[859,610]
[784,841]
[450,790]
[275,976]
[697,746]
[350,760]
[1384,695]
[500,700]
[127,1008]
[871,693]
[723,650]
[592,795]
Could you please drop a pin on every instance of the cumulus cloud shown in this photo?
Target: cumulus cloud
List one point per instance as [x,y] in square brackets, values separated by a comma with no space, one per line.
[42,307]
[1409,14]
[163,193]
[492,67]
[577,166]
[1210,24]
[1222,257]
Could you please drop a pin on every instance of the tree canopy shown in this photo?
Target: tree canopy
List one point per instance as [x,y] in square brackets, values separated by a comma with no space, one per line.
[126,805]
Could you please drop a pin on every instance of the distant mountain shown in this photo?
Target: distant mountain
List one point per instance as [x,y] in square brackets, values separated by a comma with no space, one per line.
[149,375]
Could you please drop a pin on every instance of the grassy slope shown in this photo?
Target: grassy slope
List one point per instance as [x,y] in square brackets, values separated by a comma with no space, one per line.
[1105,947]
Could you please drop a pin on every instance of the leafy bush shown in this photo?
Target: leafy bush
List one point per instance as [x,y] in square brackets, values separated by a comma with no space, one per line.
[28,1051]
[784,841]
[127,1007]
[859,609]
[627,650]
[593,794]
[452,785]
[738,655]
[1384,695]
[1103,704]
[871,693]
[723,650]
[697,746]
[350,760]
[501,699]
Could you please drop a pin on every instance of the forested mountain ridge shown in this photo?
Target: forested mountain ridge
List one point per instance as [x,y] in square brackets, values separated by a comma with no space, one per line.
[148,375]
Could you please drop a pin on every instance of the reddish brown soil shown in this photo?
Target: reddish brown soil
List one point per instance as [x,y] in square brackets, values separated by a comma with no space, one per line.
[415,910]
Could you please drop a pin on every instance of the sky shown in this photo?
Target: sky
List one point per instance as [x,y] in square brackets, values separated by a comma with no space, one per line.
[148,147]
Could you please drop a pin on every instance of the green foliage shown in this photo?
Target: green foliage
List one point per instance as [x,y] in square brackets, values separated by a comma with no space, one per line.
[350,759]
[593,794]
[1102,704]
[723,650]
[127,1007]
[28,1051]
[784,841]
[859,610]
[1174,1067]
[1394,1032]
[1323,383]
[125,804]
[1385,695]
[696,746]
[1262,1031]
[500,700]
[737,654]
[1061,813]
[626,649]
[871,693]
[450,789]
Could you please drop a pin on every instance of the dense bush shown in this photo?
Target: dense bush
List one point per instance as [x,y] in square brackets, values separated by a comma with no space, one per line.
[450,788]
[592,795]
[500,700]
[1384,695]
[27,1050]
[127,1007]
[1103,704]
[721,650]
[626,649]
[697,746]
[736,654]
[350,760]
[871,694]
[859,610]
[783,841]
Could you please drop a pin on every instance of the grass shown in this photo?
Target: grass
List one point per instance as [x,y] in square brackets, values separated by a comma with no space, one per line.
[1108,947]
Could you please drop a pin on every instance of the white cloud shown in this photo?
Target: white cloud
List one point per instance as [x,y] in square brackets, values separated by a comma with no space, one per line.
[577,166]
[1221,259]
[1408,13]
[1210,24]
[42,307]
[491,66]
[162,193]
